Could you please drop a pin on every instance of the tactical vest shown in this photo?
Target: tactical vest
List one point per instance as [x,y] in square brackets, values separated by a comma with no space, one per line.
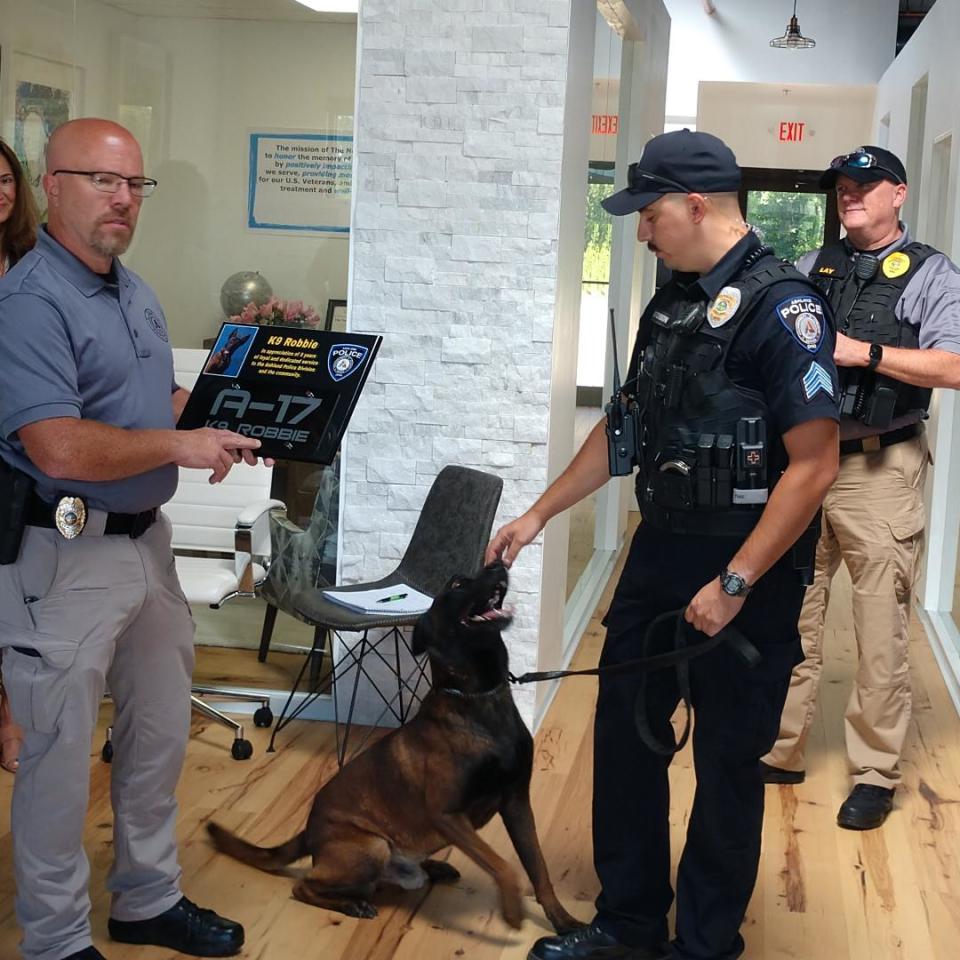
[866,310]
[707,453]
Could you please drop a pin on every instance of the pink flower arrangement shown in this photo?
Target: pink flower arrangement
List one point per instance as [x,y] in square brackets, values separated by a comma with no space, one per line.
[290,313]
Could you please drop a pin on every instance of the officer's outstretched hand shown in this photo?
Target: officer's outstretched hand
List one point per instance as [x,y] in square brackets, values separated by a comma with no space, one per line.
[712,609]
[213,449]
[509,540]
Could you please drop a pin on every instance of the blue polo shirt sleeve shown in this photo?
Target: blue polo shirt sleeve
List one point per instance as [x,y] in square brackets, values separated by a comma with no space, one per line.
[38,369]
[786,353]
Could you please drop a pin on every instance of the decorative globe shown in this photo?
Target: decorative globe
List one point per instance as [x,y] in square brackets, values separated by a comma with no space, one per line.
[242,288]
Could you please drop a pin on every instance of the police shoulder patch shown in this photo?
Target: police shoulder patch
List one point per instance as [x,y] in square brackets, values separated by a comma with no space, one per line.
[816,380]
[803,316]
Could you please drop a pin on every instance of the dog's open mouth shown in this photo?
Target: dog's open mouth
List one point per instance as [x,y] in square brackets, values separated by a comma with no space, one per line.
[489,609]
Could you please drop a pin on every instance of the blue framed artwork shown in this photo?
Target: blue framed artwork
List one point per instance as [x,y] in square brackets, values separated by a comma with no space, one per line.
[300,182]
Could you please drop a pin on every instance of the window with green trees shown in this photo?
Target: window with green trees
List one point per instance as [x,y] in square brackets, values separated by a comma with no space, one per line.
[792,223]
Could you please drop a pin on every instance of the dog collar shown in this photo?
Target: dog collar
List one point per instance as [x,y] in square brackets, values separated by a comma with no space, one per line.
[471,696]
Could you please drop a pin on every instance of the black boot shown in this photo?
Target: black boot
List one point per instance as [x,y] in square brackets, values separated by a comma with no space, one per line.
[779,775]
[184,927]
[866,808]
[87,953]
[592,943]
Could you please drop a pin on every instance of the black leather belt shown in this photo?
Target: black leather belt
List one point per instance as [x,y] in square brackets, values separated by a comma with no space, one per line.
[875,443]
[133,525]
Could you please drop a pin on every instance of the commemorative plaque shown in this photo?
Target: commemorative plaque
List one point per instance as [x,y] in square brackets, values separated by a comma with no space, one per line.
[292,388]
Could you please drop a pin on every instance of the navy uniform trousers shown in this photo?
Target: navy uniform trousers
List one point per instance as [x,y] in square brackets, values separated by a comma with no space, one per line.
[737,714]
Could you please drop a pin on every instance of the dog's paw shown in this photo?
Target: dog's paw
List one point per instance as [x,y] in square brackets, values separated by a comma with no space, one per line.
[362,909]
[513,909]
[438,871]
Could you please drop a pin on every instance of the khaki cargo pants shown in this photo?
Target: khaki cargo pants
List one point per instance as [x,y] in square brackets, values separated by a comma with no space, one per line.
[97,610]
[873,520]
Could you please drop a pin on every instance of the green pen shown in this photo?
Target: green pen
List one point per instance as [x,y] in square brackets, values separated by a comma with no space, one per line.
[396,596]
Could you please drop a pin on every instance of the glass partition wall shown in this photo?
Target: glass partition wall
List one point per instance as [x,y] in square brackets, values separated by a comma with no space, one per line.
[245,117]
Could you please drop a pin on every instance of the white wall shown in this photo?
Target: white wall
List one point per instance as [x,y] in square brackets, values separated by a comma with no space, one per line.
[856,40]
[787,126]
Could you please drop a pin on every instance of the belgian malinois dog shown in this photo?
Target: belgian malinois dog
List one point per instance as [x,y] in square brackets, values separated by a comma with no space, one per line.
[432,783]
[221,359]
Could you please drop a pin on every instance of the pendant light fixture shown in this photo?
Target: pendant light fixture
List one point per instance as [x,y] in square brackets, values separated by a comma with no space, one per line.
[793,39]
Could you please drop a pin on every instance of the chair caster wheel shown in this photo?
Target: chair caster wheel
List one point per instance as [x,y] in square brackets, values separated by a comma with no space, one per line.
[263,717]
[241,750]
[106,754]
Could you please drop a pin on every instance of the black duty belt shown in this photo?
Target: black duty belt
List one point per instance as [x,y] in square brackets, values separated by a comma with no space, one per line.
[133,525]
[879,441]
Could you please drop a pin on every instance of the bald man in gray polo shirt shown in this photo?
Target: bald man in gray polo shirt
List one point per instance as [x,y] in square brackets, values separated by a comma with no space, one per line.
[88,409]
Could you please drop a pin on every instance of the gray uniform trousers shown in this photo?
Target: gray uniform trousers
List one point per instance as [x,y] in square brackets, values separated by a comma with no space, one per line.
[98,610]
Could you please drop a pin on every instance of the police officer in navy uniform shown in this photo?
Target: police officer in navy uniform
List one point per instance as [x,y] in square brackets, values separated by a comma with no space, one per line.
[88,453]
[897,305]
[736,416]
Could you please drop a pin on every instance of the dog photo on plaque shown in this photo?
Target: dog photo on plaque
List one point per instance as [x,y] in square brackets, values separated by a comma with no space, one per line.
[294,389]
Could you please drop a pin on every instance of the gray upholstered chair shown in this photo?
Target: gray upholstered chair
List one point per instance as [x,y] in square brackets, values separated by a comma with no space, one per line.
[450,537]
[303,560]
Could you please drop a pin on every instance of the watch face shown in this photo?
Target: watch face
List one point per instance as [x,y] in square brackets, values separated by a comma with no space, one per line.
[732,584]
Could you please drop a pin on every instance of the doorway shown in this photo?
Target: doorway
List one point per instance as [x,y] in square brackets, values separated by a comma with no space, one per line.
[789,209]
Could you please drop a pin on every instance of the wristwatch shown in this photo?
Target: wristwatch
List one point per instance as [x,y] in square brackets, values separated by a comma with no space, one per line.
[876,355]
[732,584]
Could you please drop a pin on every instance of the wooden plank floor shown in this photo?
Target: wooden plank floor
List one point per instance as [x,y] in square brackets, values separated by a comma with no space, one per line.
[892,894]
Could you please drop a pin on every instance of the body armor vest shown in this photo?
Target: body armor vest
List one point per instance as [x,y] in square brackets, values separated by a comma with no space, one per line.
[865,309]
[707,453]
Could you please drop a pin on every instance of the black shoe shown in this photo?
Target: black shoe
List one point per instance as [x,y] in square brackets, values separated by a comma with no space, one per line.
[87,953]
[591,943]
[777,775]
[866,808]
[184,927]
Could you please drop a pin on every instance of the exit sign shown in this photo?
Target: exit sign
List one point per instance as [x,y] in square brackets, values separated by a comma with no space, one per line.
[791,131]
[605,123]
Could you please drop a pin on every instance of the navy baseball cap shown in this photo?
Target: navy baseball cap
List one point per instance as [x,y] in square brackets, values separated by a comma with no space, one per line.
[865,165]
[682,161]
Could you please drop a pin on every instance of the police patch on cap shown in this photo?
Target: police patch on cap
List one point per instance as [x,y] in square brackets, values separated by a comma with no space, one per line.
[724,306]
[896,265]
[803,317]
[344,359]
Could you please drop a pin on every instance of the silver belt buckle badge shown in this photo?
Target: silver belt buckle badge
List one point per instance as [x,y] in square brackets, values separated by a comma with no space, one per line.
[70,517]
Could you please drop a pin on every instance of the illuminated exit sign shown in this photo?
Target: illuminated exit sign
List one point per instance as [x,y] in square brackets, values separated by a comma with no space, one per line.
[606,123]
[791,131]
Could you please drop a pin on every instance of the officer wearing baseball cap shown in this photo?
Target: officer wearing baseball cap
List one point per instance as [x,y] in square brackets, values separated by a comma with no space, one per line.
[735,387]
[897,304]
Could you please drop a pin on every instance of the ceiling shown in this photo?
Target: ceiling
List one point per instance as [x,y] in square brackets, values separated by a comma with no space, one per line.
[228,10]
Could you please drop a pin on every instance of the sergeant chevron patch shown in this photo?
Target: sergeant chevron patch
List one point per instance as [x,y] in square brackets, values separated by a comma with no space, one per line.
[816,379]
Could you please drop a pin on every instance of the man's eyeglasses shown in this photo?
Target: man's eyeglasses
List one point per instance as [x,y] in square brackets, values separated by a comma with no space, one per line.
[107,182]
[861,160]
[638,179]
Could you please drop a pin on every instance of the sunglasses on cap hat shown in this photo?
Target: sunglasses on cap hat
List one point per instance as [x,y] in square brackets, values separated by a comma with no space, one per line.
[862,160]
[640,180]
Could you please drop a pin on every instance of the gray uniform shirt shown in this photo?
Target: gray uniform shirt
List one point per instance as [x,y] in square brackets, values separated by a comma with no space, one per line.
[76,344]
[930,303]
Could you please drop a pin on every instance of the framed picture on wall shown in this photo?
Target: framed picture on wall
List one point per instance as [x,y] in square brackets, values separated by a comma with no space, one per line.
[336,315]
[38,95]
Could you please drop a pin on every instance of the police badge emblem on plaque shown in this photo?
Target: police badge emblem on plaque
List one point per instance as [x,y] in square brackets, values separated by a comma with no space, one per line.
[70,517]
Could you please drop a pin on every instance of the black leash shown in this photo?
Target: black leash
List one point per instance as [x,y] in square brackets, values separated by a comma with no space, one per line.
[679,658]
